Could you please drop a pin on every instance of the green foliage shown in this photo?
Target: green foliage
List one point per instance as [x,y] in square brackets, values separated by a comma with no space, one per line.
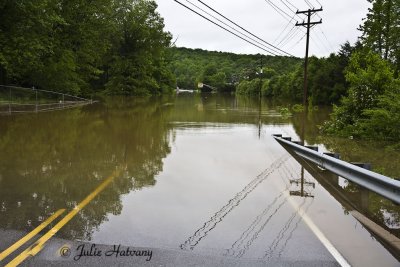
[222,70]
[297,108]
[383,121]
[372,85]
[249,87]
[73,46]
[381,32]
[285,112]
[326,81]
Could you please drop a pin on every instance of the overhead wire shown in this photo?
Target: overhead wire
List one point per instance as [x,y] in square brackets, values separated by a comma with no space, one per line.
[237,25]
[315,14]
[293,36]
[287,25]
[279,10]
[285,3]
[323,44]
[304,35]
[288,2]
[290,35]
[309,4]
[326,38]
[213,22]
[229,26]
[316,44]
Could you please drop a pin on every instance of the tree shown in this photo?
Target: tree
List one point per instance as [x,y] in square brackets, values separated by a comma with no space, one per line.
[369,77]
[74,46]
[380,30]
[138,63]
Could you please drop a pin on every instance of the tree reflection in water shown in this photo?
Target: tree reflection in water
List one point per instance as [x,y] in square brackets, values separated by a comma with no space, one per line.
[54,160]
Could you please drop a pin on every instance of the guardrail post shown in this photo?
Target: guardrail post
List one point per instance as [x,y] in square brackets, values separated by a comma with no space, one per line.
[315,148]
[363,165]
[378,183]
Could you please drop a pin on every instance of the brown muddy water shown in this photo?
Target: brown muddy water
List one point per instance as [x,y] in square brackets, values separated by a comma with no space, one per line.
[202,173]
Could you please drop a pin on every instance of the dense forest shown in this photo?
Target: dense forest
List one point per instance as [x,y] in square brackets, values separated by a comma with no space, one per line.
[220,69]
[275,76]
[78,47]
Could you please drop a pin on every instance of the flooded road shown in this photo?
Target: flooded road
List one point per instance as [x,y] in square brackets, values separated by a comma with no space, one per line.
[201,175]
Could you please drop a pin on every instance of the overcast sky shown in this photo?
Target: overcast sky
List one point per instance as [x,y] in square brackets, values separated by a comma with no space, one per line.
[341,19]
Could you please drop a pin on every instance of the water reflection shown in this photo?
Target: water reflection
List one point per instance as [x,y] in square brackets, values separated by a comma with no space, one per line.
[53,160]
[280,238]
[208,226]
[384,161]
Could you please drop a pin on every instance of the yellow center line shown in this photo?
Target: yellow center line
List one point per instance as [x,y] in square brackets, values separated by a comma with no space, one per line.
[37,247]
[29,236]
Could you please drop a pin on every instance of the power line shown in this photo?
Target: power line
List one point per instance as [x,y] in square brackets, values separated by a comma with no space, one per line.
[290,35]
[291,4]
[213,22]
[244,28]
[309,4]
[229,26]
[285,3]
[294,35]
[278,9]
[287,25]
[316,44]
[304,35]
[326,38]
[323,44]
[287,34]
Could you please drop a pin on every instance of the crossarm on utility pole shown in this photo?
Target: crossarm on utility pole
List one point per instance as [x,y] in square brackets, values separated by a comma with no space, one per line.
[308,25]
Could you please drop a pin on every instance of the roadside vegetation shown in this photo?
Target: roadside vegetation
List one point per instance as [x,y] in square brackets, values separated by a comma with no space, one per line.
[116,47]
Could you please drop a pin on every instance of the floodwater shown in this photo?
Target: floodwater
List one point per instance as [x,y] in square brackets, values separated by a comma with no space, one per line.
[202,174]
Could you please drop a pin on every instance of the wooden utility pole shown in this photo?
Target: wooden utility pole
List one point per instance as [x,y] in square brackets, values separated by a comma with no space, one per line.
[308,25]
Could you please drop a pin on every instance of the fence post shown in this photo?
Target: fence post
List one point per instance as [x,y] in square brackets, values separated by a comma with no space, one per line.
[9,101]
[63,102]
[36,103]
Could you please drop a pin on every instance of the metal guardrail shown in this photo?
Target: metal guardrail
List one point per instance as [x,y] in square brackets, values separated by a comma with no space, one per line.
[380,184]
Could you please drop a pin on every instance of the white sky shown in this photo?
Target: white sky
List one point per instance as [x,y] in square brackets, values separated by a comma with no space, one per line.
[341,18]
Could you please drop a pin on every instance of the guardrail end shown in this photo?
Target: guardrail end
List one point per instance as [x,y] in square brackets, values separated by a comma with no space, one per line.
[277,135]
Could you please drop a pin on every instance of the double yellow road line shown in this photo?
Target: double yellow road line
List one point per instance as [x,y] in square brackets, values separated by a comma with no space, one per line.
[38,245]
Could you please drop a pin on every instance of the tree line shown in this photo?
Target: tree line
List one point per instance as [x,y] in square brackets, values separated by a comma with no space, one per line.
[81,47]
[371,104]
[361,80]
[121,47]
